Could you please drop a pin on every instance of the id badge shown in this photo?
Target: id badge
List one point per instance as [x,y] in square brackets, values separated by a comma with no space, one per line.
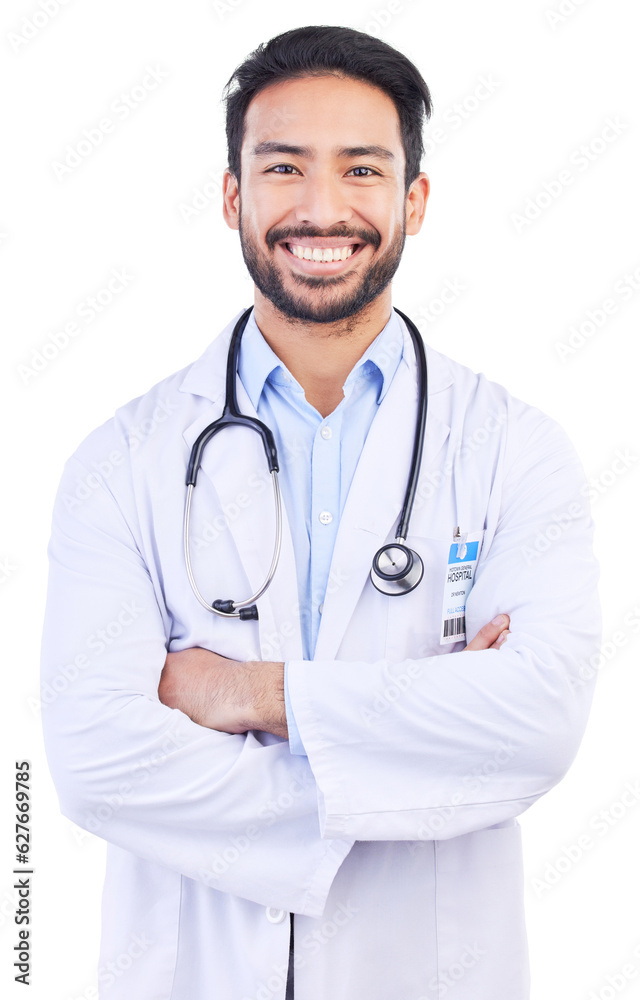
[461,569]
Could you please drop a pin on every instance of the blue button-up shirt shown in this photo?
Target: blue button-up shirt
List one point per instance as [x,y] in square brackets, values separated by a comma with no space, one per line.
[317,459]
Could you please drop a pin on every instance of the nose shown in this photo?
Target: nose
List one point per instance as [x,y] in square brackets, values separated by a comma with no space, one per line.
[322,202]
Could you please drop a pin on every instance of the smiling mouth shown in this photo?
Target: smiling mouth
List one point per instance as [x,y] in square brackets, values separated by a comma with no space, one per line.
[324,255]
[321,254]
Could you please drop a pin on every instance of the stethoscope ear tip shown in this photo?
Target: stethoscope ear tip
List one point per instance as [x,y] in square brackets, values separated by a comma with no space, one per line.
[224,607]
[228,608]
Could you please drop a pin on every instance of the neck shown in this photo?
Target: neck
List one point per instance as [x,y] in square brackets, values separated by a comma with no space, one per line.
[321,355]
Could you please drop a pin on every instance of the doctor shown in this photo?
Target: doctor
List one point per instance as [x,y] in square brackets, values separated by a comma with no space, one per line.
[344,773]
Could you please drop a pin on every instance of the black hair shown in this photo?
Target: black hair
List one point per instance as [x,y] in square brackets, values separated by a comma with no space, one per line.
[315,50]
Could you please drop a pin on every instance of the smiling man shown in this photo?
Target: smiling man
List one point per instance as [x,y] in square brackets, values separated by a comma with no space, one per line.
[322,225]
[313,791]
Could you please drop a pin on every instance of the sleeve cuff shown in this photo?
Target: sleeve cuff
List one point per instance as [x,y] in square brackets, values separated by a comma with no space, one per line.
[295,743]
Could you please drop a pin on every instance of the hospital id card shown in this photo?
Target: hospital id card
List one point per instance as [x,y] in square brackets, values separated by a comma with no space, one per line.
[461,568]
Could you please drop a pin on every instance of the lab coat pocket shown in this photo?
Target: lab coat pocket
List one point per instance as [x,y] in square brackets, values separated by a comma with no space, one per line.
[415,628]
[482,943]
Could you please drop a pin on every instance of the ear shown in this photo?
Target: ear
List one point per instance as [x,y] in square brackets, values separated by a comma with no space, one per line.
[417,203]
[230,200]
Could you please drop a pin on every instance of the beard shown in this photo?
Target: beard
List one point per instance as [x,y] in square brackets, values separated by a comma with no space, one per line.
[321,308]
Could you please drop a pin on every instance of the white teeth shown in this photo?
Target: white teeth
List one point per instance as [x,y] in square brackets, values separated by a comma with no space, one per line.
[324,254]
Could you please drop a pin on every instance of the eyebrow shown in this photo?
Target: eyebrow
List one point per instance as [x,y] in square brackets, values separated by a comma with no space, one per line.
[347,152]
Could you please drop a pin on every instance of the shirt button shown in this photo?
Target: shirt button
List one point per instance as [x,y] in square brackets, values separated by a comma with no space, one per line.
[326,433]
[321,607]
[275,916]
[325,517]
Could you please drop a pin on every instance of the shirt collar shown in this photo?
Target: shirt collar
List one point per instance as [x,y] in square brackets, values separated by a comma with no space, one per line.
[258,361]
[382,356]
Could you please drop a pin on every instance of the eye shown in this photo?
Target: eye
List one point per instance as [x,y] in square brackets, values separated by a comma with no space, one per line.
[280,167]
[372,173]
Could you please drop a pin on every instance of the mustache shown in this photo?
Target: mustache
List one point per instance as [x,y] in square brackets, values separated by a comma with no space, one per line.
[289,234]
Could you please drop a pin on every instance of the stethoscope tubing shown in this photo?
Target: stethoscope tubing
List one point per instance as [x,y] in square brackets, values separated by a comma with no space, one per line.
[421,424]
[274,561]
[387,583]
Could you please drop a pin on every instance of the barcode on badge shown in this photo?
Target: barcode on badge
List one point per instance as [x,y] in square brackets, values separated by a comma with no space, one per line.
[453,626]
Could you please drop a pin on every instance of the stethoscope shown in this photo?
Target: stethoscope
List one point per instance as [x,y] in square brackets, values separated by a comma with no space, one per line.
[396,569]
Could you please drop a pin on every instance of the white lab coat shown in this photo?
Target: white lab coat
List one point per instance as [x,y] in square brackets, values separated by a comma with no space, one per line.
[395,843]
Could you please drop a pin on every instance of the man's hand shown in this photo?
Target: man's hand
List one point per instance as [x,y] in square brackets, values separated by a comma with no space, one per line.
[491,636]
[224,694]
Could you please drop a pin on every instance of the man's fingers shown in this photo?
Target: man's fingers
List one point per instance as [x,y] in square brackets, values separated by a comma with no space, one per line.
[491,636]
[503,635]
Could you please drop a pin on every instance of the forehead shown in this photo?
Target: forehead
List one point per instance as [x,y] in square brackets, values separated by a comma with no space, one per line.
[323,111]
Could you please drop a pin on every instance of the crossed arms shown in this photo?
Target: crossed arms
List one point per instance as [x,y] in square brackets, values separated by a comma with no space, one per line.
[234,697]
[161,754]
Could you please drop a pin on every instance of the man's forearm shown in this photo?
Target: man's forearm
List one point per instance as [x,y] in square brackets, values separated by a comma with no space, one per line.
[223,694]
[267,699]
[233,697]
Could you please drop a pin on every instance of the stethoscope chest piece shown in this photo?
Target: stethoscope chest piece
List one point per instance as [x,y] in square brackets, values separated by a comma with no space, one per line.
[396,569]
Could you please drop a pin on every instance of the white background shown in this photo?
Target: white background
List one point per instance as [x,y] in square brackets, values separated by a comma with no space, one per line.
[558,70]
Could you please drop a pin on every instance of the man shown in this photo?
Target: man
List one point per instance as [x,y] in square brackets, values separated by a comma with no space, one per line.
[317,802]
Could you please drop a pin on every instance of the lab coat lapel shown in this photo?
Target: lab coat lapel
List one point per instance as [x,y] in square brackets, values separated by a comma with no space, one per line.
[372,509]
[235,464]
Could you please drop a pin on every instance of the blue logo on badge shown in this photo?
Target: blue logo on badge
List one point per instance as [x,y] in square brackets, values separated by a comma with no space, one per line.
[470,555]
